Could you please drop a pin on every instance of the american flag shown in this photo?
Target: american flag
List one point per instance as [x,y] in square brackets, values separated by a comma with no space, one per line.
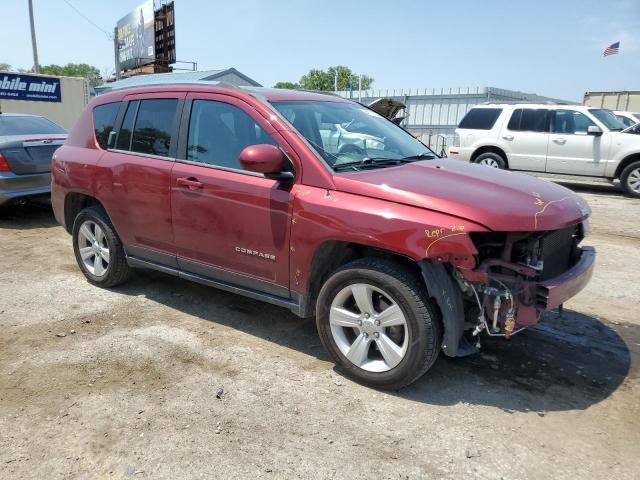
[612,49]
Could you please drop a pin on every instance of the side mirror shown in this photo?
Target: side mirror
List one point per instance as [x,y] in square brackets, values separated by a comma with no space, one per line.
[267,159]
[111,139]
[594,130]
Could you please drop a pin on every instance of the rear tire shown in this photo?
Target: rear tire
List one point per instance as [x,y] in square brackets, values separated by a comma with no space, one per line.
[491,159]
[98,249]
[630,180]
[377,322]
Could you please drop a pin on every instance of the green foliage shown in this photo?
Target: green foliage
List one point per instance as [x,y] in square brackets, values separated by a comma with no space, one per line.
[289,85]
[324,80]
[5,67]
[74,70]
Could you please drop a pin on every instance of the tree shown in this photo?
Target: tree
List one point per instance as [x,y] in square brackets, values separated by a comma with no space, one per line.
[323,80]
[5,67]
[74,70]
[289,85]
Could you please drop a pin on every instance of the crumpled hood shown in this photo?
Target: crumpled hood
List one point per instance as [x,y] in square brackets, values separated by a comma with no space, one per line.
[497,199]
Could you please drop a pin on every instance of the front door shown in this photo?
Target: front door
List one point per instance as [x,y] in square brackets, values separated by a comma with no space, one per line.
[229,224]
[571,150]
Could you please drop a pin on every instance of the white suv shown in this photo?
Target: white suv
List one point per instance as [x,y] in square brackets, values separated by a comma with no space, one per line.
[559,139]
[628,118]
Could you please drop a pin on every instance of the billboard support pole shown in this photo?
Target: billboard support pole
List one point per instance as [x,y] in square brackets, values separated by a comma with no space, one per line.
[115,51]
[34,46]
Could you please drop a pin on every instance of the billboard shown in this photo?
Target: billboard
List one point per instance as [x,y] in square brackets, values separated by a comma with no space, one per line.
[18,86]
[136,37]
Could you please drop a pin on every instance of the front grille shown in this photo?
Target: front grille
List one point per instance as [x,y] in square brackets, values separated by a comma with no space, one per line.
[558,252]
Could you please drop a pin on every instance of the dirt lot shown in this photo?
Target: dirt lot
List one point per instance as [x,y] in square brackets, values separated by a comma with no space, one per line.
[132,393]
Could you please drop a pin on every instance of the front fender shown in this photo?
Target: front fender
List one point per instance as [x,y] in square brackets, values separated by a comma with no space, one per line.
[321,215]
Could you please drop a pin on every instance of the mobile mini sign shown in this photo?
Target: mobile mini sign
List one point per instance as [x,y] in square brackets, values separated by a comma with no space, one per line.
[18,86]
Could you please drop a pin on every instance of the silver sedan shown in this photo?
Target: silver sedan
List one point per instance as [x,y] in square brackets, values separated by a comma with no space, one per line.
[27,143]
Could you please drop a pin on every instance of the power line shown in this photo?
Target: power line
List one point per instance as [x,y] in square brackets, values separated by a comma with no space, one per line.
[109,35]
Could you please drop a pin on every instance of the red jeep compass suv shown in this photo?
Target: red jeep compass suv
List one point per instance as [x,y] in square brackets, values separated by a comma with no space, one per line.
[396,252]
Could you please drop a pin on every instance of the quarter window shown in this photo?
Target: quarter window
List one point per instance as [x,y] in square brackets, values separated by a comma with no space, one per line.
[528,120]
[480,118]
[570,122]
[218,132]
[154,122]
[104,117]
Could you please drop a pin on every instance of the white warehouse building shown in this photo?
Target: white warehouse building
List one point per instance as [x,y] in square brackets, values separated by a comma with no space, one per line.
[434,113]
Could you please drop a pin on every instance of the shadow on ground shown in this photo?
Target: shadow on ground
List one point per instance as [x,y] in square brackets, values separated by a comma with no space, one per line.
[567,363]
[34,214]
[594,188]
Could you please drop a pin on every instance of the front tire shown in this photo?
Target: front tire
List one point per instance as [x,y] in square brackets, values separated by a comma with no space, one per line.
[98,249]
[377,322]
[491,159]
[630,180]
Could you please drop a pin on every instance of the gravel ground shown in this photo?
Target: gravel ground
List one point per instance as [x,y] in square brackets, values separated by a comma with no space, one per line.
[161,378]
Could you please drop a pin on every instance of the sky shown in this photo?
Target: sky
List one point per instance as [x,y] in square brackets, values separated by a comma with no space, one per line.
[551,48]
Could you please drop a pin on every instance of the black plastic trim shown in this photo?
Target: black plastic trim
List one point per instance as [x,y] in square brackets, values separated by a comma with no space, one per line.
[296,306]
[227,276]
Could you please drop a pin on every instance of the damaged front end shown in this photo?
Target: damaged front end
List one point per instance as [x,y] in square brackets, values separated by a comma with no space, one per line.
[517,275]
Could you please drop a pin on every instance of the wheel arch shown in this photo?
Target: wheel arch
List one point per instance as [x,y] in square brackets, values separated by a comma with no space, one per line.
[628,160]
[332,254]
[74,203]
[492,149]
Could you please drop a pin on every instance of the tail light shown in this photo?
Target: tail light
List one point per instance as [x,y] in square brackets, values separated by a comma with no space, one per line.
[456,140]
[4,166]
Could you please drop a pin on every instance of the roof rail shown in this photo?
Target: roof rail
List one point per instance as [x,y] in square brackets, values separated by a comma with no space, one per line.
[108,88]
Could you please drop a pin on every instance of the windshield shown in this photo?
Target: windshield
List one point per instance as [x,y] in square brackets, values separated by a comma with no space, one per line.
[348,133]
[608,118]
[25,125]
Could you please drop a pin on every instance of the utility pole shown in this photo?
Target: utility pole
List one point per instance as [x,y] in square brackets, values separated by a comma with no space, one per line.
[335,81]
[116,52]
[34,46]
[360,88]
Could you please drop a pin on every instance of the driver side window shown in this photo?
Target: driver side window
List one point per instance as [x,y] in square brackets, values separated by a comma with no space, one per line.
[219,131]
[570,122]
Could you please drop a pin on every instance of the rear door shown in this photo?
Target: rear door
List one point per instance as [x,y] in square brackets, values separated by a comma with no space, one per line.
[571,150]
[525,139]
[229,224]
[135,176]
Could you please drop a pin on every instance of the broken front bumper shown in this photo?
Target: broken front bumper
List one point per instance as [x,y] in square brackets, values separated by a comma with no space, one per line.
[552,293]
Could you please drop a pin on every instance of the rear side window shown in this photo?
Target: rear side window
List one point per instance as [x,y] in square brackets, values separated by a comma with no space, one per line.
[104,117]
[529,120]
[480,118]
[124,136]
[153,126]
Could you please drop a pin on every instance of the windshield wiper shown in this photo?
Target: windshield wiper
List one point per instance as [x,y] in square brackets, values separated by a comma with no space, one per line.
[368,162]
[383,161]
[420,156]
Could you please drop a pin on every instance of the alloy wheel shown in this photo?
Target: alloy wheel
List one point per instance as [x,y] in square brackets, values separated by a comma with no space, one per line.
[93,248]
[369,327]
[489,162]
[634,180]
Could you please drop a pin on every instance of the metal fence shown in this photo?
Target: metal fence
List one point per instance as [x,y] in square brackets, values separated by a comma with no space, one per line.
[434,113]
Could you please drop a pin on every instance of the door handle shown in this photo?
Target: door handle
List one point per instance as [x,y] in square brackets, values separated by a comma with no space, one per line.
[190,182]
[560,141]
[508,137]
